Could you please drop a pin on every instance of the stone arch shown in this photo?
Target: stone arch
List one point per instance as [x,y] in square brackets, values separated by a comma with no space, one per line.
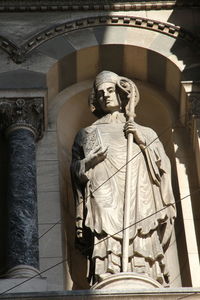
[116,20]
[112,48]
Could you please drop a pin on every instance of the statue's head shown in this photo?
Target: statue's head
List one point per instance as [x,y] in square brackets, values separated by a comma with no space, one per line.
[111,92]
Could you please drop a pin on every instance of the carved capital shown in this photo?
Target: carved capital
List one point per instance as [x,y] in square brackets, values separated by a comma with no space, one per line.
[22,113]
[194,105]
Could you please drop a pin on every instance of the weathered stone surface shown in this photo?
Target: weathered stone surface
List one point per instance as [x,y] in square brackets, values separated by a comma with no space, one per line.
[18,285]
[47,176]
[84,38]
[55,275]
[19,79]
[56,48]
[47,147]
[49,211]
[48,247]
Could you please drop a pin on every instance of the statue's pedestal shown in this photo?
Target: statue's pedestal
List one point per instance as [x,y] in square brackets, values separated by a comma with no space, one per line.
[126,281]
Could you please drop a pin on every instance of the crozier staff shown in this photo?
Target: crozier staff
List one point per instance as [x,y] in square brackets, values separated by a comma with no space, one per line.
[99,151]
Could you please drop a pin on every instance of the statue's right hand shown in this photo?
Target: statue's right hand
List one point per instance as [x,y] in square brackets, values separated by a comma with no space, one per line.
[96,156]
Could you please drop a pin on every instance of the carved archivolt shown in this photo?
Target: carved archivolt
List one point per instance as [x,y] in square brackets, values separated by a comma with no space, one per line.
[18,53]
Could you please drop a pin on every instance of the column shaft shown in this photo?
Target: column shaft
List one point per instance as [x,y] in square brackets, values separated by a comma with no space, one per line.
[22,200]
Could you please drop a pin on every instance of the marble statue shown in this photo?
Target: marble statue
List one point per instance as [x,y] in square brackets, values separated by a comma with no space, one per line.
[99,175]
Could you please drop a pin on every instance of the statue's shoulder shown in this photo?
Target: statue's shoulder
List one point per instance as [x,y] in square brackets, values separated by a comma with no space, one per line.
[83,132]
[90,129]
[87,138]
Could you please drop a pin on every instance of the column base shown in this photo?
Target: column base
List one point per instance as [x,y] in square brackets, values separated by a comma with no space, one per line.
[23,271]
[126,281]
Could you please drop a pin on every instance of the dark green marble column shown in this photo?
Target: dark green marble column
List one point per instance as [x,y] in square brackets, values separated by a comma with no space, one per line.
[23,248]
[22,122]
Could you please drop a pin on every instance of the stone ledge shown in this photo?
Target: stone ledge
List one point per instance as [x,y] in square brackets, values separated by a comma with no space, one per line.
[21,285]
[142,294]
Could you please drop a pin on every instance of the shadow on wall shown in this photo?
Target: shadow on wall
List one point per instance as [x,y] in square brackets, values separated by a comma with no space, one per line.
[187,52]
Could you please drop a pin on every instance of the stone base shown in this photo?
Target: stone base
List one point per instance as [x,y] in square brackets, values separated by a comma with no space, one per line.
[22,285]
[23,271]
[126,281]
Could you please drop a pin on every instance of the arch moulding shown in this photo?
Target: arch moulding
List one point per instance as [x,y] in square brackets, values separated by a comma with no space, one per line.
[19,53]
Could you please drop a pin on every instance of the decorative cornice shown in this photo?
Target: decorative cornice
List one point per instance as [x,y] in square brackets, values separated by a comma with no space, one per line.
[18,54]
[22,113]
[84,5]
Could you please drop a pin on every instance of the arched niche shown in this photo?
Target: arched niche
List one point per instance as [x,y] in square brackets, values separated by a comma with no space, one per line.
[140,53]
[73,115]
[159,109]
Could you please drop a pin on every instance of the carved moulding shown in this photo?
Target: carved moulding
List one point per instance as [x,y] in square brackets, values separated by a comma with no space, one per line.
[22,113]
[18,54]
[8,46]
[35,6]
[69,5]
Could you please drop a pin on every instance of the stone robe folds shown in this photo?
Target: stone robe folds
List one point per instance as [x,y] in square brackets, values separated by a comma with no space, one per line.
[99,195]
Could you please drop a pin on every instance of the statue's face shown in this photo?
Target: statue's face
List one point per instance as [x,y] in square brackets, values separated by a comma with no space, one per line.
[108,97]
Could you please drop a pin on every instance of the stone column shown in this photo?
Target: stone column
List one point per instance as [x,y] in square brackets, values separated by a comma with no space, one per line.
[22,121]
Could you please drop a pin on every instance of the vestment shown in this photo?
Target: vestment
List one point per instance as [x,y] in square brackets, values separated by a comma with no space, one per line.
[99,194]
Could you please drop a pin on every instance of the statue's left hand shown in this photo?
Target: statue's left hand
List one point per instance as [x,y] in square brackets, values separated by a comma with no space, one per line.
[130,127]
[97,155]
